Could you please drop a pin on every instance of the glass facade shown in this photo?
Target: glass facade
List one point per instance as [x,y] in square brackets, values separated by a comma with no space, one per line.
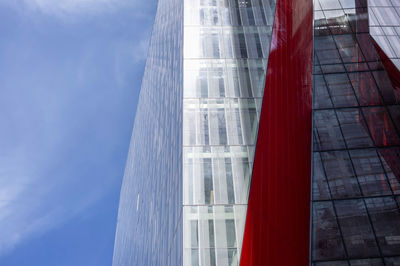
[356,156]
[384,22]
[226,47]
[149,229]
[185,189]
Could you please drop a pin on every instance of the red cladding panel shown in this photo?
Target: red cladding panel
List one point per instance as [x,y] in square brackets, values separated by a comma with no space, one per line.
[278,215]
[392,158]
[382,130]
[392,71]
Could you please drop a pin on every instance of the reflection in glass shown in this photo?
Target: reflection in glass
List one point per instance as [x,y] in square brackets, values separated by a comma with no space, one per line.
[226,47]
[356,135]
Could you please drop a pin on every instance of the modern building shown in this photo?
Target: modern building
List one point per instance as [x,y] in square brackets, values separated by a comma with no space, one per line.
[267,133]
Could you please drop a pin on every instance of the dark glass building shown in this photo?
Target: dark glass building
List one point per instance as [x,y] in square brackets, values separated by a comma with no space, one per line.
[267,133]
[356,151]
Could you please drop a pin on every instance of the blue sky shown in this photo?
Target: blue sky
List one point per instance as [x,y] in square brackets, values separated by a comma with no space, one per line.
[70,74]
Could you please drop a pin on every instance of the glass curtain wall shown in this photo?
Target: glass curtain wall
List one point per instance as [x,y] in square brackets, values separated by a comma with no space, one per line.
[226,47]
[356,154]
[149,229]
[384,22]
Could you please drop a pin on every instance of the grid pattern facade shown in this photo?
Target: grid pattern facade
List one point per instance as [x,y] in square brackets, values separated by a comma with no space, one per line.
[384,21]
[149,229]
[356,155]
[226,47]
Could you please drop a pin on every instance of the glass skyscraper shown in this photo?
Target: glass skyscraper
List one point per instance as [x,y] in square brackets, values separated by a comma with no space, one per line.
[356,214]
[267,133]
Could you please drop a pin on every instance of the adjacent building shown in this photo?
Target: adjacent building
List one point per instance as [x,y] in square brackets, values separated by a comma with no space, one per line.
[267,133]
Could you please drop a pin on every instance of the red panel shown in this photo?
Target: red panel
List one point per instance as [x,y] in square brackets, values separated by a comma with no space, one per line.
[391,69]
[392,158]
[381,128]
[380,125]
[278,215]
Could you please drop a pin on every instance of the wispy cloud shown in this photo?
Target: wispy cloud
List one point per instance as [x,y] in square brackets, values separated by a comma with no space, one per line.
[129,53]
[70,9]
[63,110]
[32,184]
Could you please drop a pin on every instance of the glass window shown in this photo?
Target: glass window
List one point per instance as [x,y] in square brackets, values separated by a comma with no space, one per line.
[320,93]
[365,88]
[357,231]
[330,4]
[320,185]
[208,181]
[230,233]
[354,129]
[194,227]
[370,174]
[385,218]
[242,45]
[341,90]
[394,261]
[327,242]
[327,131]
[229,180]
[195,257]
[367,262]
[348,3]
[348,48]
[340,175]
[386,16]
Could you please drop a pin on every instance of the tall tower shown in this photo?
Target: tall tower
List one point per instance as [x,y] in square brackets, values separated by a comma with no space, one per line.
[225,165]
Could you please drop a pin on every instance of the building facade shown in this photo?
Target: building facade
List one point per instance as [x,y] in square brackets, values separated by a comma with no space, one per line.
[356,135]
[267,133]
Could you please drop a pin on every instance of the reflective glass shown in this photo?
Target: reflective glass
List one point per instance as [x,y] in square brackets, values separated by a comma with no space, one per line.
[356,157]
[226,48]
[149,229]
[384,24]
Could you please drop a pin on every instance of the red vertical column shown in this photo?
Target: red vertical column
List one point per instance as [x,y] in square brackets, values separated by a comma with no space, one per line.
[278,216]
